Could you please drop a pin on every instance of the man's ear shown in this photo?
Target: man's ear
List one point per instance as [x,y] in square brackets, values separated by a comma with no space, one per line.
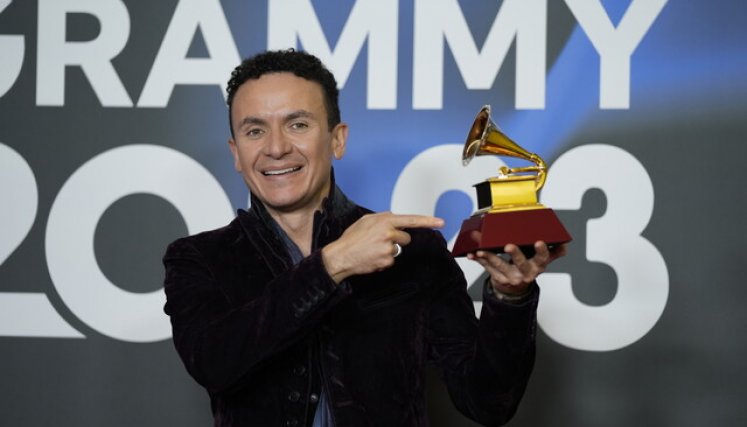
[339,140]
[235,154]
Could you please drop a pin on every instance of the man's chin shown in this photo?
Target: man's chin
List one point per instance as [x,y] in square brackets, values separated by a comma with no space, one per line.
[285,205]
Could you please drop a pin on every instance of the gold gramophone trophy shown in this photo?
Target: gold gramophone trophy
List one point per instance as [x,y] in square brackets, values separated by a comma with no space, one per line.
[508,211]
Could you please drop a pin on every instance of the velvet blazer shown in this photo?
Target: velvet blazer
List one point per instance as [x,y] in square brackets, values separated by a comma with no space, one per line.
[265,337]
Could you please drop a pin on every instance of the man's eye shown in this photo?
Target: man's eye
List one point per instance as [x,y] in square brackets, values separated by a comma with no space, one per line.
[299,125]
[253,133]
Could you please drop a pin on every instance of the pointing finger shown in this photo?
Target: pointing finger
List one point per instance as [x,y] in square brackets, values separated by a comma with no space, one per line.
[416,221]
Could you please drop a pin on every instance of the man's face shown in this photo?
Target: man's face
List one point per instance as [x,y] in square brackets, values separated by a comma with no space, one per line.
[282,144]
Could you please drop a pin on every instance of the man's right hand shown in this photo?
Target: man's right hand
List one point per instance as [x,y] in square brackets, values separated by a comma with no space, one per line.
[369,244]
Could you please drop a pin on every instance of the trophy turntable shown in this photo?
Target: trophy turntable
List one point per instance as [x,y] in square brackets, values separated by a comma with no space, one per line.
[508,210]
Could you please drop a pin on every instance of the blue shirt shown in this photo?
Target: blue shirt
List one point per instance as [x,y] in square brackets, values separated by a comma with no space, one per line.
[322,417]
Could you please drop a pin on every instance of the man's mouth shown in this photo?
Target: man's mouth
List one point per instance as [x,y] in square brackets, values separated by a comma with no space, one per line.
[277,172]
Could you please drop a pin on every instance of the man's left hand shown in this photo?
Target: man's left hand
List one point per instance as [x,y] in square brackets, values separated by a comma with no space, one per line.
[513,276]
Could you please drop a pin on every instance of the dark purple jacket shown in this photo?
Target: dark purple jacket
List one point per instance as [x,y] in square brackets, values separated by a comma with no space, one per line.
[264,337]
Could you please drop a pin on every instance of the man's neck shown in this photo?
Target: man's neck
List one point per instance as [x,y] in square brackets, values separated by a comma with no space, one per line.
[298,225]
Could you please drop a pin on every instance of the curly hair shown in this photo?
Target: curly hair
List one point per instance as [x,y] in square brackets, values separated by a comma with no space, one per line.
[302,64]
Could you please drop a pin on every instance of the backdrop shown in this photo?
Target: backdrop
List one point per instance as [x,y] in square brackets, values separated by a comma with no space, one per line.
[113,132]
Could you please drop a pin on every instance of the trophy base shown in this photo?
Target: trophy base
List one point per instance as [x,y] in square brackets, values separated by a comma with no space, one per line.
[522,228]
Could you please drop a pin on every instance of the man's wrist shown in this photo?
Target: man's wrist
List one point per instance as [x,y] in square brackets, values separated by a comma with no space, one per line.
[506,297]
[328,259]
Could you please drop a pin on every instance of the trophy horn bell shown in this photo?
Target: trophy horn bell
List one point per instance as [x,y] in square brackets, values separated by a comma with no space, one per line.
[485,137]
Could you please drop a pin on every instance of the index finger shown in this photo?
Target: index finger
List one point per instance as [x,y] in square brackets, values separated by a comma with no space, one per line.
[416,221]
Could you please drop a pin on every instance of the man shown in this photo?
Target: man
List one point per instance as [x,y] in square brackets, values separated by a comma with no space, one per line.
[309,310]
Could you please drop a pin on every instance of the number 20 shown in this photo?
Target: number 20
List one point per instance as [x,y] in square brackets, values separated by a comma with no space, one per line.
[71,225]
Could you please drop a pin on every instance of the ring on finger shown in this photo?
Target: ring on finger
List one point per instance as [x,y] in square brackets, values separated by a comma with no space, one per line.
[397,250]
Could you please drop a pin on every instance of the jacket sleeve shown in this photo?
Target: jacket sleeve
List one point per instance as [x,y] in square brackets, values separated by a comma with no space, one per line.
[486,365]
[223,341]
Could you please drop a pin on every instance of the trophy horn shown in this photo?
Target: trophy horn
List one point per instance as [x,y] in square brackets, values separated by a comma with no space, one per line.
[485,137]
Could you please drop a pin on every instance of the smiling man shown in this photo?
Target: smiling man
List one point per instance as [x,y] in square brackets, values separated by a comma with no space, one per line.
[283,146]
[308,310]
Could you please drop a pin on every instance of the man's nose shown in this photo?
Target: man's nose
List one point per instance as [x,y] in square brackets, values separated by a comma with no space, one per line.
[278,145]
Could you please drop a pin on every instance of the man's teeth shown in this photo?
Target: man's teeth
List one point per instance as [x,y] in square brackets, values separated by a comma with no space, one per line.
[282,171]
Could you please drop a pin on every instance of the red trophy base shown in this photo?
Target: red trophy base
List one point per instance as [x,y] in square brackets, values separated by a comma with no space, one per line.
[521,228]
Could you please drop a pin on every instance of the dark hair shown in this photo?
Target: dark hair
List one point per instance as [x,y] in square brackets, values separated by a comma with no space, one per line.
[302,64]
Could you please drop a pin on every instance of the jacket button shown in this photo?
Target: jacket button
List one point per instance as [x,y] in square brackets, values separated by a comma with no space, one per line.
[291,422]
[314,398]
[299,370]
[294,396]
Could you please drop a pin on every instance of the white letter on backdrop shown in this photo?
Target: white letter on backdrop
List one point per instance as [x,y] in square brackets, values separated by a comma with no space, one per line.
[614,239]
[172,66]
[12,52]
[437,21]
[94,57]
[76,211]
[375,20]
[615,45]
[23,314]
